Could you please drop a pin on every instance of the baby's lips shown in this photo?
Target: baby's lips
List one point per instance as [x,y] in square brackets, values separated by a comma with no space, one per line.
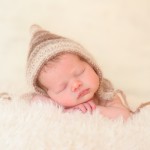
[83,92]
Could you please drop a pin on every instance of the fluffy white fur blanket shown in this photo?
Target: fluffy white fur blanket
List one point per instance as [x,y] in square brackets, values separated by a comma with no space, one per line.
[42,126]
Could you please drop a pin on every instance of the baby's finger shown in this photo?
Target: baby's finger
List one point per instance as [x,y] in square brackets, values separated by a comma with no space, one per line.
[81,107]
[88,107]
[92,104]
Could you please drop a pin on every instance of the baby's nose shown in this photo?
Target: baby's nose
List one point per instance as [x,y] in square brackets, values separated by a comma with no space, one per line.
[75,85]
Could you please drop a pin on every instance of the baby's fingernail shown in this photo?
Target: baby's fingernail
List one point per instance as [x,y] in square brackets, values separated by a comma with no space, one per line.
[94,107]
[84,111]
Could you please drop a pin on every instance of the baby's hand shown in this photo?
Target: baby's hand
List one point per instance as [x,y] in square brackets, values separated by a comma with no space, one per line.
[86,107]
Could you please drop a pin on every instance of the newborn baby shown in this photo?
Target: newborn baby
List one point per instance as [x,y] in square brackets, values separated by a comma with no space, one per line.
[61,70]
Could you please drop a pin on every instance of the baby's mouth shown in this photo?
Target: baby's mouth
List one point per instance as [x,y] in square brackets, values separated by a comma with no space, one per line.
[83,92]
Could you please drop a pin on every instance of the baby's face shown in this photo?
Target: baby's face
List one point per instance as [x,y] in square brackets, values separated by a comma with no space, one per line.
[70,81]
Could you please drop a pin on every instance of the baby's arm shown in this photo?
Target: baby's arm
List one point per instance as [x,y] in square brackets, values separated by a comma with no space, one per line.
[114,112]
[114,109]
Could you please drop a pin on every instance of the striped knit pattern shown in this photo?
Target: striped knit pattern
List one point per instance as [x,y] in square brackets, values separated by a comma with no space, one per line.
[45,46]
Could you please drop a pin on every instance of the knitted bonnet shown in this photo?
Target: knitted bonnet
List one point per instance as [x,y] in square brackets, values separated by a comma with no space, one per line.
[44,46]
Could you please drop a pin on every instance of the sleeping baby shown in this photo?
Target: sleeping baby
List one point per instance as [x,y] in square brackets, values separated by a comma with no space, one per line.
[61,70]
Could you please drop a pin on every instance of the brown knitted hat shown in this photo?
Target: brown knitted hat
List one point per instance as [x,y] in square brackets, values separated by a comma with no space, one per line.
[45,46]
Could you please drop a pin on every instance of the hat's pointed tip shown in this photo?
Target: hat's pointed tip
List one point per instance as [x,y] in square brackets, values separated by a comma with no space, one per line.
[34,28]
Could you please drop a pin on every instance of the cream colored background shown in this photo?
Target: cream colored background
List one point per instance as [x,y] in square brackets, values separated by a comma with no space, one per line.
[116,32]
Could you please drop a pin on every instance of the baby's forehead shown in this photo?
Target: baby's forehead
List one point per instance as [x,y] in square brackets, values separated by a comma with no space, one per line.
[59,57]
[50,63]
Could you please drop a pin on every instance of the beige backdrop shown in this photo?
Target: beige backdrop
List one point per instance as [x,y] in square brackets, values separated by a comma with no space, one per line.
[116,32]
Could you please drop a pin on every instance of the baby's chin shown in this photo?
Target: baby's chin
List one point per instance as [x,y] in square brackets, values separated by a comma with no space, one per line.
[85,98]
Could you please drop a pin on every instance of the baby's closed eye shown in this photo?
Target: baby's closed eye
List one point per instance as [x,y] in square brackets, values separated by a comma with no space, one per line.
[62,87]
[79,72]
